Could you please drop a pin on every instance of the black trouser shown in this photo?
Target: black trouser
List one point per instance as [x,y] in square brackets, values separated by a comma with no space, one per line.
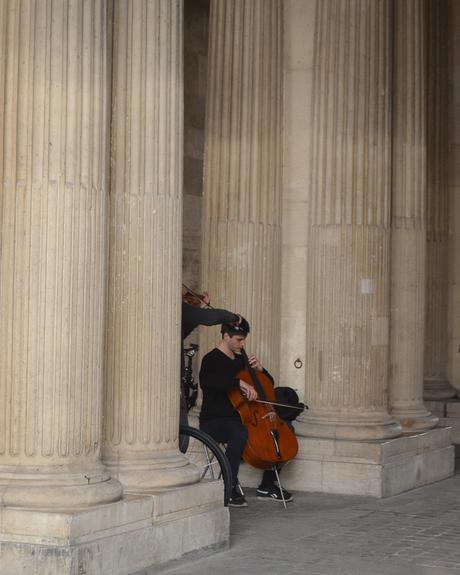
[231,431]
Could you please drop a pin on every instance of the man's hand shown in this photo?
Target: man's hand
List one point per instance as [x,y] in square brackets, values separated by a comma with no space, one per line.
[248,390]
[255,363]
[205,299]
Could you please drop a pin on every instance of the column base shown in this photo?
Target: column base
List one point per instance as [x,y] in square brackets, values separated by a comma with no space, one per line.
[57,487]
[435,389]
[373,468]
[415,419]
[142,472]
[360,426]
[448,412]
[119,538]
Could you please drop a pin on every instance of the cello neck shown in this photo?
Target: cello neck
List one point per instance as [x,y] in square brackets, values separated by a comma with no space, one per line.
[253,374]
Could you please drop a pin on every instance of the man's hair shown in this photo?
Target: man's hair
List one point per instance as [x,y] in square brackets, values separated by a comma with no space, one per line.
[236,328]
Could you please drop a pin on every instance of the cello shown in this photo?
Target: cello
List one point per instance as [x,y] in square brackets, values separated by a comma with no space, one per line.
[271,441]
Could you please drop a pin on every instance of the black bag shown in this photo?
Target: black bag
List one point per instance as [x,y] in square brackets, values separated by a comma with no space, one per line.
[288,396]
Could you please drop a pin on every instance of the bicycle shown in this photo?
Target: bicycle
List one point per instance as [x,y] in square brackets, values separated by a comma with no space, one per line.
[206,454]
[189,388]
[199,447]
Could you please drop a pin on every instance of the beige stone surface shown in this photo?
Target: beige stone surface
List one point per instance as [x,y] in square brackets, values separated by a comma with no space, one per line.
[347,200]
[376,468]
[241,234]
[299,19]
[408,219]
[60,511]
[115,539]
[448,412]
[141,417]
[54,141]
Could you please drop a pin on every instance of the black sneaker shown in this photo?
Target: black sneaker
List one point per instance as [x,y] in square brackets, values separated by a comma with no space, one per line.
[273,492]
[237,499]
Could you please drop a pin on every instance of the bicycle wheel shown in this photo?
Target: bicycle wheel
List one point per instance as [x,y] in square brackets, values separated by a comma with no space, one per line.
[206,454]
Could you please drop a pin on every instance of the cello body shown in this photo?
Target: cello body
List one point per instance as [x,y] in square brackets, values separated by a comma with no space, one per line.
[270,439]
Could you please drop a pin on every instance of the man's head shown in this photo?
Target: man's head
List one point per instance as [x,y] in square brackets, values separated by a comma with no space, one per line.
[234,334]
[240,327]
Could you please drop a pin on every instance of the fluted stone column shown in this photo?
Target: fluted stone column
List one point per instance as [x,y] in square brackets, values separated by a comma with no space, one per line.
[348,259]
[53,174]
[143,333]
[408,240]
[437,386]
[241,208]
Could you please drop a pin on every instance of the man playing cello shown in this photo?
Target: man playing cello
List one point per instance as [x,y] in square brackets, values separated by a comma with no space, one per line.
[218,417]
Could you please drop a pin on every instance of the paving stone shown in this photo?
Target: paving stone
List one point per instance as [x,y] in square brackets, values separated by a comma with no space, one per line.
[415,533]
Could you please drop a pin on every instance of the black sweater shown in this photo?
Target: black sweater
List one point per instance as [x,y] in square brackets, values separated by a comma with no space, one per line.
[217,376]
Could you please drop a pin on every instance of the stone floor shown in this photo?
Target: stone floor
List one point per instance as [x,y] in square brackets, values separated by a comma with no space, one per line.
[416,533]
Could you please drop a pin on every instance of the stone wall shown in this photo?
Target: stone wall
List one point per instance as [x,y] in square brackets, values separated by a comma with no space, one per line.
[299,21]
